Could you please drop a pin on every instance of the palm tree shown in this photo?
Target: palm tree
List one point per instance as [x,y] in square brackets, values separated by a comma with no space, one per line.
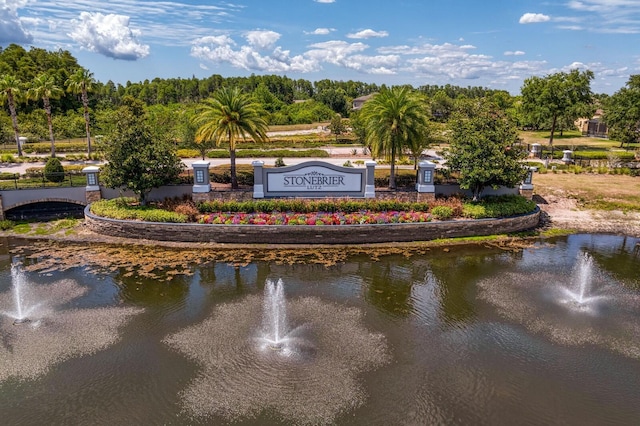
[44,87]
[10,88]
[230,115]
[393,118]
[80,83]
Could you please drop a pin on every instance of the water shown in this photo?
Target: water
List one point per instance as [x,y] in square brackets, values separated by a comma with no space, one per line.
[544,335]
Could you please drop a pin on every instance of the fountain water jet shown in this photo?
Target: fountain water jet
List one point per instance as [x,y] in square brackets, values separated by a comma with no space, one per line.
[580,296]
[275,315]
[22,309]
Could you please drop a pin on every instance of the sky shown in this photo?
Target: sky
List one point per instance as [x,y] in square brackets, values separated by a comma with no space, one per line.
[491,43]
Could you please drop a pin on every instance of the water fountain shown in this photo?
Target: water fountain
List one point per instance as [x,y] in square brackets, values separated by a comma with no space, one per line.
[590,309]
[284,356]
[275,315]
[580,295]
[50,331]
[22,309]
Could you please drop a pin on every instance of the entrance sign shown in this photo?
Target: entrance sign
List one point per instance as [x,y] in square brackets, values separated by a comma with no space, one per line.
[311,179]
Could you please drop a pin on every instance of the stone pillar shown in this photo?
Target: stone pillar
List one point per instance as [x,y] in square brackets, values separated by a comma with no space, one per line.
[1,209]
[567,156]
[93,193]
[370,188]
[425,181]
[258,184]
[526,187]
[536,150]
[201,179]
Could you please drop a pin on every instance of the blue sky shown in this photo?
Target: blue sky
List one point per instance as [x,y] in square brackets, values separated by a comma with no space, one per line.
[494,44]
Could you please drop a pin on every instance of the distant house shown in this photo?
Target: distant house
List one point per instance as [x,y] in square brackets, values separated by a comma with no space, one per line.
[593,127]
[358,102]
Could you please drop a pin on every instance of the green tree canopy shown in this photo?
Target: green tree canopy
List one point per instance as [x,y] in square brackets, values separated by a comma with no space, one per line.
[622,112]
[230,116]
[337,126]
[393,118]
[558,96]
[483,149]
[136,160]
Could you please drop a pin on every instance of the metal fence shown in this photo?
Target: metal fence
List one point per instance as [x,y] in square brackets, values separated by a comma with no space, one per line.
[51,180]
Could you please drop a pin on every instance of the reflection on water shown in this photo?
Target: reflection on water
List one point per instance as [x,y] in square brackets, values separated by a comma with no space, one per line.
[470,336]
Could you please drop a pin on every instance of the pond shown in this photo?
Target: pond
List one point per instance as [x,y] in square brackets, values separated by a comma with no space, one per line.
[549,333]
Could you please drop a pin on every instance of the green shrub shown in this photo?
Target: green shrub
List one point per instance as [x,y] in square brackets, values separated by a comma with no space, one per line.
[8,176]
[498,206]
[53,170]
[7,158]
[127,209]
[5,225]
[442,212]
[279,162]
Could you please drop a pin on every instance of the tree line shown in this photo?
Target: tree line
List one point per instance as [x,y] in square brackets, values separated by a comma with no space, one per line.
[48,95]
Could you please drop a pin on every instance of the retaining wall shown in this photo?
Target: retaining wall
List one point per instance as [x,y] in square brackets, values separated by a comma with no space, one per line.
[306,234]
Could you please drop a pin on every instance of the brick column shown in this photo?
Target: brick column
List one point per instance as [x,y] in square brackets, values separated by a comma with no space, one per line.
[258,184]
[526,187]
[425,181]
[93,193]
[370,188]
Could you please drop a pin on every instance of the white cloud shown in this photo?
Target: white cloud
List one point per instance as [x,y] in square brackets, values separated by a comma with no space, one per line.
[608,16]
[262,39]
[11,29]
[320,31]
[368,33]
[108,35]
[335,52]
[514,53]
[220,40]
[325,1]
[534,18]
[221,50]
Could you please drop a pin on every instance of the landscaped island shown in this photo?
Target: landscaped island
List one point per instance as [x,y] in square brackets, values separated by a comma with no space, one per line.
[295,221]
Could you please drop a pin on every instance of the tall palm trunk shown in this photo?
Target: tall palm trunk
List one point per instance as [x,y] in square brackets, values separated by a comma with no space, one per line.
[85,104]
[392,174]
[14,121]
[47,109]
[232,168]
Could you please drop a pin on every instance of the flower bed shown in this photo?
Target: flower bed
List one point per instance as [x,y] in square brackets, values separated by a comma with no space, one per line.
[318,218]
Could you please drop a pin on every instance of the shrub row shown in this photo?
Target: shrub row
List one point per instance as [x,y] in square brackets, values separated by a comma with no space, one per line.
[45,147]
[74,169]
[180,211]
[309,206]
[128,209]
[270,153]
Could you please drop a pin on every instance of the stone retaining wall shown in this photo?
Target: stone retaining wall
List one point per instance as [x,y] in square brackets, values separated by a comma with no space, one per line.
[283,234]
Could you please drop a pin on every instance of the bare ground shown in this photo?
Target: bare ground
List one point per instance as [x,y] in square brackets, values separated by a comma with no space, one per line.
[563,212]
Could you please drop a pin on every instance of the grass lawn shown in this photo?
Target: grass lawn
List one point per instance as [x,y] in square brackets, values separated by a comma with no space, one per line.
[593,191]
[572,138]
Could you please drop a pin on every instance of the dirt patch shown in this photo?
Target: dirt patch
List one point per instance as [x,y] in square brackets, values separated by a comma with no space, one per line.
[561,211]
